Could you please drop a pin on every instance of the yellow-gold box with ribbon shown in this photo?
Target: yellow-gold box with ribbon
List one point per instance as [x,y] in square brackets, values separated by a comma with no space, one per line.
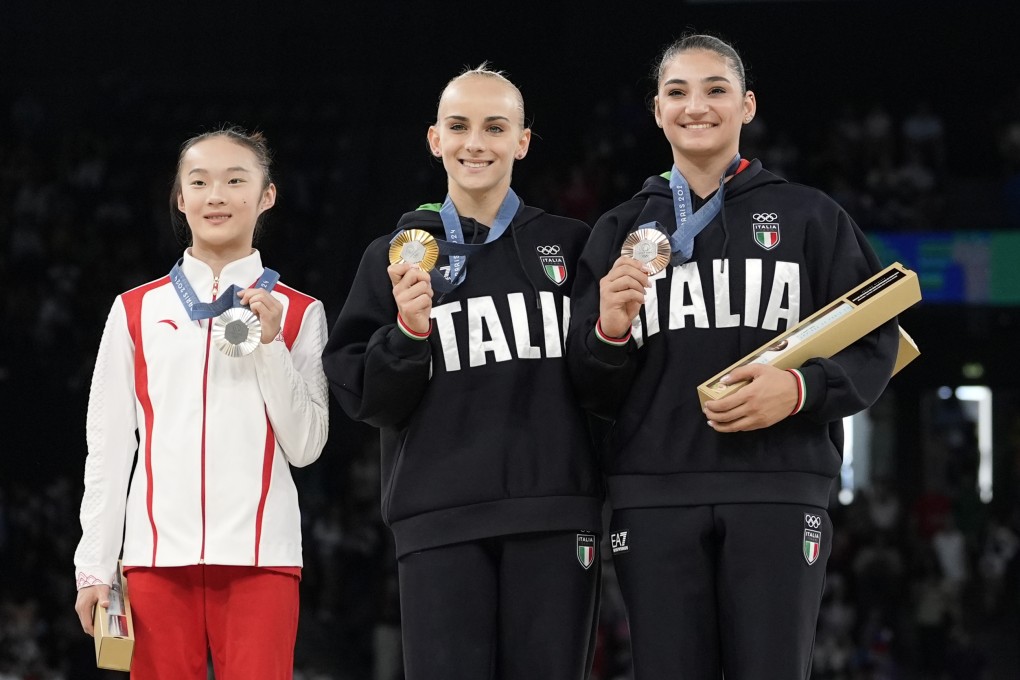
[834,327]
[114,629]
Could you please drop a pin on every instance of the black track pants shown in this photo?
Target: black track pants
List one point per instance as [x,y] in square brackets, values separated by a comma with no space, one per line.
[724,589]
[518,607]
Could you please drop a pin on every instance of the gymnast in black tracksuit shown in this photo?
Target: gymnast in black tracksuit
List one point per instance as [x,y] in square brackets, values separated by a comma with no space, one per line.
[719,529]
[489,478]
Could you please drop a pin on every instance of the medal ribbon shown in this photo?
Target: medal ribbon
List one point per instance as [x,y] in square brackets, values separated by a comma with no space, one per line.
[206,310]
[454,245]
[689,223]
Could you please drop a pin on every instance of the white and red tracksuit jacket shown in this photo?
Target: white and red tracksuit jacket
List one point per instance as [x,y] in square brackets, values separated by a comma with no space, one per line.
[215,434]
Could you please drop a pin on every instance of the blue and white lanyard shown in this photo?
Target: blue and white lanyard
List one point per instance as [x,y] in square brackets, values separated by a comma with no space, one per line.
[458,251]
[228,300]
[688,222]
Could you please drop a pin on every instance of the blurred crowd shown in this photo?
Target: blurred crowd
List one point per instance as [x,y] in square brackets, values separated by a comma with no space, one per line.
[922,586]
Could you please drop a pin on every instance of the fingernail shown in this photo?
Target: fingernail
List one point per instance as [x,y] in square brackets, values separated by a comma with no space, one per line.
[725,380]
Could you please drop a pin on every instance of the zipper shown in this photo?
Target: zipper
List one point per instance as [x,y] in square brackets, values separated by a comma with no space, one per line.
[205,403]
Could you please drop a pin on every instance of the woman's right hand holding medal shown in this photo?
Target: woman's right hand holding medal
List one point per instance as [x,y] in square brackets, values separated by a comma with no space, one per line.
[412,291]
[621,294]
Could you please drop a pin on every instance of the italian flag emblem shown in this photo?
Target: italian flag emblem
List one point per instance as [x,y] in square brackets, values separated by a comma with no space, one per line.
[766,235]
[812,545]
[555,268]
[586,549]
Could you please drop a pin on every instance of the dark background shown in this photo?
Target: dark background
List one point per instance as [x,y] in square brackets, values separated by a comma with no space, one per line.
[95,100]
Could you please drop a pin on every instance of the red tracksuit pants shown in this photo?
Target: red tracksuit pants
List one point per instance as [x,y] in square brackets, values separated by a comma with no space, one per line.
[247,617]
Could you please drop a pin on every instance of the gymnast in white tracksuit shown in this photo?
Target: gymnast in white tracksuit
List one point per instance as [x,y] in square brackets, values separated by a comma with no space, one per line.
[209,516]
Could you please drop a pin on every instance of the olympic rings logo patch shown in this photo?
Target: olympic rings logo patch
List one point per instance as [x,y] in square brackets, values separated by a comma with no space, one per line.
[548,250]
[765,217]
[813,521]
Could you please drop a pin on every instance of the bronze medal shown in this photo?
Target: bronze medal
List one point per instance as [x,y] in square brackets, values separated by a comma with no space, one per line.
[650,247]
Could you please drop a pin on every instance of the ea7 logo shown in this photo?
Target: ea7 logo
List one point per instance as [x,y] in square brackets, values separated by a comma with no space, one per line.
[619,542]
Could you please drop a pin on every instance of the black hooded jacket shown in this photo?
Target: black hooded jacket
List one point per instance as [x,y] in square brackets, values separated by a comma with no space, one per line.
[481,431]
[737,293]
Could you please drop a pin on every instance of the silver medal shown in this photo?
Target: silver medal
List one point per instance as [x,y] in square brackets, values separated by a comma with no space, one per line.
[237,332]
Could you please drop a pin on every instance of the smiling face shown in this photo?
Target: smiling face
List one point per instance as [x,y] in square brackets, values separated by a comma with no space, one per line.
[701,107]
[479,132]
[222,193]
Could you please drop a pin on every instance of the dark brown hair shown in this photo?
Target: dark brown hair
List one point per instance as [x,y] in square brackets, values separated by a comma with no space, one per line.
[699,41]
[253,141]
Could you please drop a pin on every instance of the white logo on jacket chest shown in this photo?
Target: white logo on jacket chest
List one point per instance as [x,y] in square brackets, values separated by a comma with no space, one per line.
[765,228]
[492,337]
[692,293]
[553,263]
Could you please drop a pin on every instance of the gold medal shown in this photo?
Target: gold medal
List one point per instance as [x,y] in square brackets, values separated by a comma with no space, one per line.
[237,332]
[650,247]
[415,246]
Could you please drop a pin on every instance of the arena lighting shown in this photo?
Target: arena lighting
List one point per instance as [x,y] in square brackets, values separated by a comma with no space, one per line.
[973,370]
[979,397]
[855,472]
[846,471]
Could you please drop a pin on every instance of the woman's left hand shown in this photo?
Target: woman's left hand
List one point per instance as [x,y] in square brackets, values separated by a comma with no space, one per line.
[268,309]
[768,397]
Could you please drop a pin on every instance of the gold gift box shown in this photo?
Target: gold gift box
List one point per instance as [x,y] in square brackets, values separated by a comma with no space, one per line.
[835,327]
[114,629]
[906,352]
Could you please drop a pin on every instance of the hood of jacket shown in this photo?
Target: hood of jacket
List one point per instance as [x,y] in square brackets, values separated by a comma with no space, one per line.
[751,177]
[427,217]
